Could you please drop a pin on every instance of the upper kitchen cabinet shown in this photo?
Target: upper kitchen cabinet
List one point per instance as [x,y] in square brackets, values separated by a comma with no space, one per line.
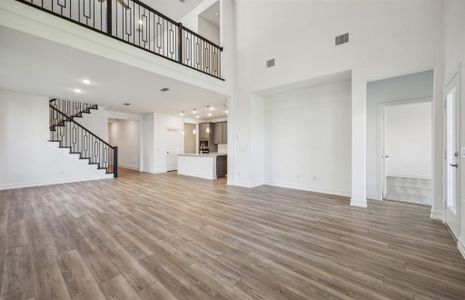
[224,133]
[220,133]
[204,131]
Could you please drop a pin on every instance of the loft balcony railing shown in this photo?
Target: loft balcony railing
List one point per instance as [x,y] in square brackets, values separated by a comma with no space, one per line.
[137,24]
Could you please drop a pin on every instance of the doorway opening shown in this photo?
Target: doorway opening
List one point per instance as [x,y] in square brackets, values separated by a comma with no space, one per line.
[407,155]
[400,138]
[125,134]
[172,149]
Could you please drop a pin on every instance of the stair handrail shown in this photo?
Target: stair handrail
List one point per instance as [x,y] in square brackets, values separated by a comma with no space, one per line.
[114,148]
[57,103]
[71,120]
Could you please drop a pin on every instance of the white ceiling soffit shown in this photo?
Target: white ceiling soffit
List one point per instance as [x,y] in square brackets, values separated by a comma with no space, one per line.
[174,9]
[320,80]
[37,66]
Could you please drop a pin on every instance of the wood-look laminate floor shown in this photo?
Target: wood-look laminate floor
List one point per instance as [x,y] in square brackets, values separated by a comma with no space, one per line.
[146,236]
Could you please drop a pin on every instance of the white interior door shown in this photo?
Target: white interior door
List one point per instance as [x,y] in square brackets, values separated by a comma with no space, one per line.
[172,149]
[452,157]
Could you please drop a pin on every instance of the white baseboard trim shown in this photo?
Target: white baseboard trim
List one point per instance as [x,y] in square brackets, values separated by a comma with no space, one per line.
[51,182]
[410,176]
[307,188]
[129,167]
[242,184]
[158,171]
[461,246]
[359,202]
[436,215]
[374,197]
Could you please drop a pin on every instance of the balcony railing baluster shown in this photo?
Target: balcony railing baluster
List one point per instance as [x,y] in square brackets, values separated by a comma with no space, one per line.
[135,23]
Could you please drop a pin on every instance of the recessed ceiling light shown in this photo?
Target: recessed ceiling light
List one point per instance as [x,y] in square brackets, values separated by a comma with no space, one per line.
[165,89]
[197,116]
[181,114]
[126,104]
[209,114]
[194,111]
[194,131]
[182,132]
[141,22]
[86,81]
[226,111]
[77,91]
[217,14]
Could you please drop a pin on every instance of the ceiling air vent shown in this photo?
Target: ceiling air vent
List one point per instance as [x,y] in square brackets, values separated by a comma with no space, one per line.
[270,63]
[342,39]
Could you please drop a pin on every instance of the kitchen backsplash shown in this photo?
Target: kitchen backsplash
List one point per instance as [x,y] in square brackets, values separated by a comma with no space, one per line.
[222,148]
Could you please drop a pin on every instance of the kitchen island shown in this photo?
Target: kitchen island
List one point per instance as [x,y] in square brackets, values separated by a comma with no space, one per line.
[207,166]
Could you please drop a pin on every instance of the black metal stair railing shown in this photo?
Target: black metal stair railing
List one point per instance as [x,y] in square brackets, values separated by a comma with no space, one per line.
[79,140]
[73,109]
[137,24]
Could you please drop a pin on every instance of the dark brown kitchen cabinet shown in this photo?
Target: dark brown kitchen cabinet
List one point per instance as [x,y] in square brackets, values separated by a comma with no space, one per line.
[224,133]
[204,131]
[220,133]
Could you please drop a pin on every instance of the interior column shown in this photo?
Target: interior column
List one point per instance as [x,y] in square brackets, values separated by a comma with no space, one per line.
[358,192]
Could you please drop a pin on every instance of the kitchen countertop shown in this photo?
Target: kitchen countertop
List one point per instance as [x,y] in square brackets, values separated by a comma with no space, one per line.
[212,154]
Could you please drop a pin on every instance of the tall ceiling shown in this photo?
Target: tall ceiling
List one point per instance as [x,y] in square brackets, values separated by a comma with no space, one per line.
[37,66]
[175,9]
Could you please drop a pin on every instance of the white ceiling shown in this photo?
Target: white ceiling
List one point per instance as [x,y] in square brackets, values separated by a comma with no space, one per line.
[212,14]
[33,65]
[173,9]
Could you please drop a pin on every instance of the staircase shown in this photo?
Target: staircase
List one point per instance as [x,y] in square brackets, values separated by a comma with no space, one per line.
[73,109]
[78,139]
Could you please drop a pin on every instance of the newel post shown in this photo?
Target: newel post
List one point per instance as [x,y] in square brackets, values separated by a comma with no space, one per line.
[115,161]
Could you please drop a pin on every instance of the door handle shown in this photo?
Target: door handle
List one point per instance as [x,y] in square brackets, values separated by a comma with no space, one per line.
[454,165]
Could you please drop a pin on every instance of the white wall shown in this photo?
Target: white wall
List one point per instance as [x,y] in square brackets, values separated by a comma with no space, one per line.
[307,139]
[27,158]
[155,127]
[96,122]
[208,30]
[148,146]
[387,39]
[402,89]
[408,140]
[454,38]
[126,135]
